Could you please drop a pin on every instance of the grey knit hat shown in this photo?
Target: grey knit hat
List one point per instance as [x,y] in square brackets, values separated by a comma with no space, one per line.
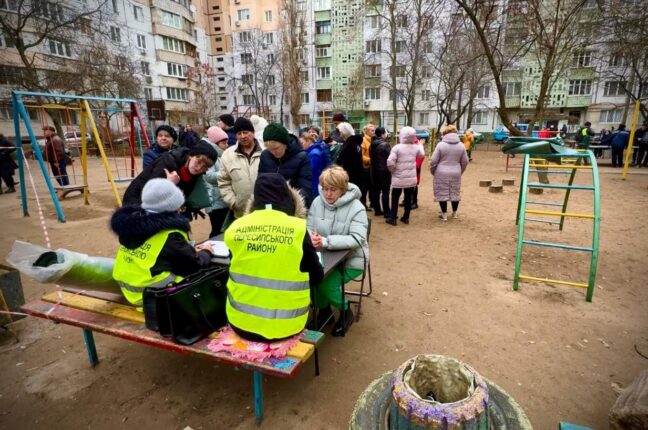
[161,195]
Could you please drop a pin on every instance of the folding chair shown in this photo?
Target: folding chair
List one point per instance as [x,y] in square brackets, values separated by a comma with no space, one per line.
[365,274]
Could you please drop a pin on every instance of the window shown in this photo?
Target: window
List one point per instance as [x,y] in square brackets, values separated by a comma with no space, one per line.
[590,4]
[247,79]
[271,80]
[614,89]
[322,51]
[401,21]
[323,27]
[426,72]
[512,89]
[115,35]
[272,99]
[245,37]
[57,47]
[181,94]
[114,6]
[582,59]
[305,98]
[248,99]
[184,3]
[399,71]
[429,47]
[9,5]
[246,58]
[148,93]
[171,44]
[373,45]
[268,38]
[401,96]
[271,58]
[483,92]
[480,117]
[171,19]
[373,21]
[611,116]
[177,70]
[146,71]
[324,96]
[618,60]
[139,14]
[10,75]
[47,9]
[243,14]
[85,26]
[322,5]
[5,42]
[372,71]
[304,119]
[580,87]
[426,95]
[399,46]
[424,118]
[268,16]
[141,41]
[324,72]
[372,93]
[304,76]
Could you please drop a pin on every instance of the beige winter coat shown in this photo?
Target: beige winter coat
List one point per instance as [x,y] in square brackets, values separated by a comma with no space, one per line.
[236,178]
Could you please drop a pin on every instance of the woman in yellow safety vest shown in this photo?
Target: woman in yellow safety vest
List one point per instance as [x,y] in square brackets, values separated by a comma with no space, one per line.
[154,243]
[273,264]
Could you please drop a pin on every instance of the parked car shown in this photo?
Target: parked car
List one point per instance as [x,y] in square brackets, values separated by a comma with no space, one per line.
[74,137]
[501,134]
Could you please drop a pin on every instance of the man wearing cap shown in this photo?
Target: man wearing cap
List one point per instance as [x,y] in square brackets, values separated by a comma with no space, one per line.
[284,155]
[226,122]
[239,168]
[154,242]
[55,154]
[165,137]
[273,266]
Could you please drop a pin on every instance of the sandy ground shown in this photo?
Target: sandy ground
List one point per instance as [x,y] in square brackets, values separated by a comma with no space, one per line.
[438,288]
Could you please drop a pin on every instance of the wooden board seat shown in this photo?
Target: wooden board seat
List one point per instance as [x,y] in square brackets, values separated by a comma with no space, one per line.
[64,190]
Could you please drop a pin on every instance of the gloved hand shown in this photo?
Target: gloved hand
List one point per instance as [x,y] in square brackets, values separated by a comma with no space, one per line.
[196,213]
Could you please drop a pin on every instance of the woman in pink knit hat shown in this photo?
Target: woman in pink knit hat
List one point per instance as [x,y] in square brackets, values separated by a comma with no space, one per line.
[218,210]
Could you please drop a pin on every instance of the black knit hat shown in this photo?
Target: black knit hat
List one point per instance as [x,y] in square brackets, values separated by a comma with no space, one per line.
[243,124]
[168,129]
[339,117]
[203,148]
[355,139]
[227,119]
[276,132]
[272,189]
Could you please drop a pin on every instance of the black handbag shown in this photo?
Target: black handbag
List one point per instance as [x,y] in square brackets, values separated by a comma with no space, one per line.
[189,310]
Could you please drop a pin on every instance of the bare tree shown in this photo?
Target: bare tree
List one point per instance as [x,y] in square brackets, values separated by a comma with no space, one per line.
[202,79]
[293,56]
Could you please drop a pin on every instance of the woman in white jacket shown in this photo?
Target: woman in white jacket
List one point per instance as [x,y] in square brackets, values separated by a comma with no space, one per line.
[338,220]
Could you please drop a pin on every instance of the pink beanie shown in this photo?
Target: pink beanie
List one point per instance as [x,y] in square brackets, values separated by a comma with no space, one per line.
[216,134]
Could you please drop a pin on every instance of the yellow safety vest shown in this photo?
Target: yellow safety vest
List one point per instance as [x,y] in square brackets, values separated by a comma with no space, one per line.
[267,293]
[132,269]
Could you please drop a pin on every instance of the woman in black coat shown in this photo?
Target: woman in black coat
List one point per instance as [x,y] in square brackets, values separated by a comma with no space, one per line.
[380,175]
[350,159]
[7,164]
[285,155]
[182,166]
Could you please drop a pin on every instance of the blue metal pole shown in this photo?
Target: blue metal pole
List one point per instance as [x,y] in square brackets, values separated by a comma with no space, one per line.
[19,155]
[23,113]
[68,96]
[258,396]
[90,347]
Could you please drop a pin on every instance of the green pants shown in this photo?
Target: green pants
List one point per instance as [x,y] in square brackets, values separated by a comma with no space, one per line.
[329,291]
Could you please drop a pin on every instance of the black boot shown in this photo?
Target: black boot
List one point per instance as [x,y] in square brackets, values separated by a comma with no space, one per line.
[11,190]
[338,328]
[324,318]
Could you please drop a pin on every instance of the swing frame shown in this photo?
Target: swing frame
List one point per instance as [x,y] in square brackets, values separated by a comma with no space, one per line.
[87,122]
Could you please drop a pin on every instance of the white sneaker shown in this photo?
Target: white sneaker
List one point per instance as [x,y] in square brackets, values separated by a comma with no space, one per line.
[455,215]
[443,218]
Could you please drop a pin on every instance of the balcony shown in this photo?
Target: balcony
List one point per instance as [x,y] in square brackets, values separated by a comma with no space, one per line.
[323,39]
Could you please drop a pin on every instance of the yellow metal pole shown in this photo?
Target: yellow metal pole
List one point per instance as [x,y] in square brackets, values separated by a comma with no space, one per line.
[84,158]
[553,281]
[635,119]
[567,214]
[95,132]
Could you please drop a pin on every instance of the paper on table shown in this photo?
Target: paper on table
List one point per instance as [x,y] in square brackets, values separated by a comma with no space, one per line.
[219,249]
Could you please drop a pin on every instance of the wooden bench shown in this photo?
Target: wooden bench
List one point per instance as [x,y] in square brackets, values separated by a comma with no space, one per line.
[64,190]
[107,313]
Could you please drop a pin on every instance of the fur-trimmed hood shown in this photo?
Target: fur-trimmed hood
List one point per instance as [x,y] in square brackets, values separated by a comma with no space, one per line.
[300,207]
[133,225]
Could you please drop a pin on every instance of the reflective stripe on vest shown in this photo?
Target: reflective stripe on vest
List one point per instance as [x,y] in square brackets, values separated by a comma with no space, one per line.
[267,293]
[132,269]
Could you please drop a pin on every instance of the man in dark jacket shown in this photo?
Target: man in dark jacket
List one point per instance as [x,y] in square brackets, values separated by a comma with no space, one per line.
[380,174]
[55,154]
[7,164]
[619,142]
[165,137]
[284,155]
[226,122]
[188,137]
[158,236]
[350,159]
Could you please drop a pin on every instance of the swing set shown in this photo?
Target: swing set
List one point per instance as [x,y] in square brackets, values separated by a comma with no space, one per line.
[97,117]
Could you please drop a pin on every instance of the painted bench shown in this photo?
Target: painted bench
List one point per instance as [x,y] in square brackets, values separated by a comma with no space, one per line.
[106,313]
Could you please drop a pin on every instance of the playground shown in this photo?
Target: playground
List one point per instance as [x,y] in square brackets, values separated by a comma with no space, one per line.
[438,288]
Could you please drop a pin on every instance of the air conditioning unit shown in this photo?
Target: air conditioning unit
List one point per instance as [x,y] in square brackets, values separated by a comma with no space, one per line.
[366,103]
[237,23]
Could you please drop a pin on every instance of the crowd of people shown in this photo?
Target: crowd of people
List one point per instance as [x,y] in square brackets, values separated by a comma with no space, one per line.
[278,198]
